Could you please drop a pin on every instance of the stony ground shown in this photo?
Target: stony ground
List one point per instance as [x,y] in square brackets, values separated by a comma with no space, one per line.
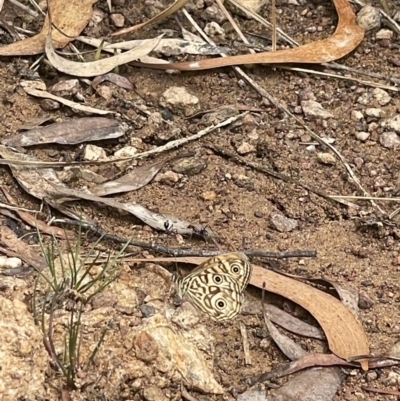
[359,248]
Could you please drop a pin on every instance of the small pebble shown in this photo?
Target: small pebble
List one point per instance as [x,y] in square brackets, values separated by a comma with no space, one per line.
[147,310]
[326,158]
[362,136]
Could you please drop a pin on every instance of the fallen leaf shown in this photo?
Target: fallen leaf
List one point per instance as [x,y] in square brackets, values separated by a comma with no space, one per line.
[33,221]
[98,67]
[77,106]
[70,132]
[348,35]
[152,219]
[116,79]
[70,16]
[36,181]
[137,178]
[20,248]
[168,47]
[345,334]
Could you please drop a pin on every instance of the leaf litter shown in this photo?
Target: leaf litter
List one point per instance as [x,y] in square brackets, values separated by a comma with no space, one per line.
[71,132]
[335,340]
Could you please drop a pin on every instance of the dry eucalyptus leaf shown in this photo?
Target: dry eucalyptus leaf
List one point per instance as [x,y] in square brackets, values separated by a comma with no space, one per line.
[37,182]
[167,47]
[70,132]
[137,178]
[116,79]
[77,106]
[99,67]
[28,254]
[70,16]
[345,39]
[152,219]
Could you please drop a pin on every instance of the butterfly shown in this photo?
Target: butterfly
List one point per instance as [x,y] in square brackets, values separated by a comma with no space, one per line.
[217,286]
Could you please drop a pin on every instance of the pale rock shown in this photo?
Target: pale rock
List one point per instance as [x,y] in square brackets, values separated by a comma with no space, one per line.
[214,13]
[67,87]
[214,29]
[168,178]
[389,140]
[356,115]
[374,112]
[311,108]
[93,153]
[365,99]
[208,195]
[393,123]
[369,17]
[381,96]
[384,34]
[186,316]
[245,148]
[127,151]
[326,158]
[10,263]
[153,393]
[105,92]
[155,118]
[97,17]
[282,223]
[118,20]
[362,136]
[180,101]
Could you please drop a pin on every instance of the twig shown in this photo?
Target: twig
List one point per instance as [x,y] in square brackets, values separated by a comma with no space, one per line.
[275,174]
[246,348]
[186,395]
[262,92]
[264,22]
[337,66]
[360,81]
[176,252]
[180,142]
[273,18]
[234,24]
[22,209]
[25,8]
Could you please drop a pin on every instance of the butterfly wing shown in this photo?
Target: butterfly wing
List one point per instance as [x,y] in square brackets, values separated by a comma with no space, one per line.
[218,295]
[216,286]
[235,264]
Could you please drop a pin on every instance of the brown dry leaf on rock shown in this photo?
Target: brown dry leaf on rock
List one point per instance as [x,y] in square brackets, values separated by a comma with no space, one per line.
[347,37]
[71,17]
[70,132]
[9,239]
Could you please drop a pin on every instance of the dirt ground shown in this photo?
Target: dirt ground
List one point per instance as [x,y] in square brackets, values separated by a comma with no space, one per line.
[236,201]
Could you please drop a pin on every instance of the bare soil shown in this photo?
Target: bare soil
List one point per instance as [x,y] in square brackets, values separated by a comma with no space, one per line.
[366,257]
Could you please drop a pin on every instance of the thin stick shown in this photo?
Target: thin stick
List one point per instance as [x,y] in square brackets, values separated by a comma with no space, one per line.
[273,19]
[25,8]
[234,25]
[183,251]
[246,348]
